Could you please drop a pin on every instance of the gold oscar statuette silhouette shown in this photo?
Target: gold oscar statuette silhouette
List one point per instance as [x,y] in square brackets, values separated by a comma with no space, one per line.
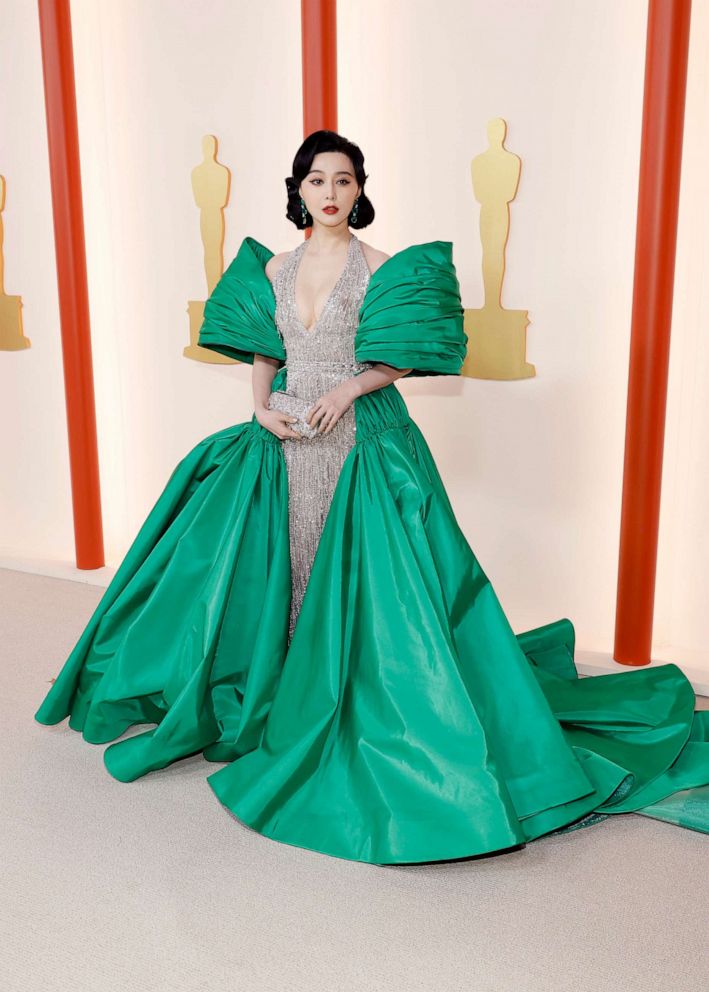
[210,187]
[12,337]
[497,338]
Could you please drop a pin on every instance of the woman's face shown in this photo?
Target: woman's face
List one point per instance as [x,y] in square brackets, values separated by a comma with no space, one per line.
[331,182]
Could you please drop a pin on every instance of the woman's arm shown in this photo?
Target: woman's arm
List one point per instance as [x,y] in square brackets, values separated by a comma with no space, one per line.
[262,377]
[379,375]
[275,421]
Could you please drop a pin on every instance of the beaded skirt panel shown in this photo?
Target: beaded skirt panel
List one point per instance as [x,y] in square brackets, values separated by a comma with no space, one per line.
[317,360]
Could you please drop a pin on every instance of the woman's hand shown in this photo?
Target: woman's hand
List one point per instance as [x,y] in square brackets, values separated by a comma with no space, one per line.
[277,422]
[330,407]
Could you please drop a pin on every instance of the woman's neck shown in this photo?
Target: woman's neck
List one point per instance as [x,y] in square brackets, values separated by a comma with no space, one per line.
[327,240]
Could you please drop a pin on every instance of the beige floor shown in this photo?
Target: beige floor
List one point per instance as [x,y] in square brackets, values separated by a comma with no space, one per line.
[154,886]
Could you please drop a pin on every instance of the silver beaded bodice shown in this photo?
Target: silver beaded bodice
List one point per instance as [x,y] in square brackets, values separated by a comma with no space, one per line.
[317,360]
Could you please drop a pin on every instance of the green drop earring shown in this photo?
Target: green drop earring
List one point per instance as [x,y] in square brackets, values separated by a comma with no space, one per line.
[303,211]
[355,210]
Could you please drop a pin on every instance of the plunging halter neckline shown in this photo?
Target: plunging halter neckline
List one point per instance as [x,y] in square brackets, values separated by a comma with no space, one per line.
[333,291]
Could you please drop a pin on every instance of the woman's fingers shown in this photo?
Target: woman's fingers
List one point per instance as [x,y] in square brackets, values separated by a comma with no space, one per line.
[329,421]
[292,433]
[313,415]
[285,432]
[322,417]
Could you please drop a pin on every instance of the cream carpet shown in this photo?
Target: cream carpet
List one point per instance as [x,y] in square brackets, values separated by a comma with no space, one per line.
[153,885]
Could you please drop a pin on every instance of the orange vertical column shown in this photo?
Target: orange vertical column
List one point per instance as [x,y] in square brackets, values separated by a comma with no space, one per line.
[65,176]
[319,55]
[655,243]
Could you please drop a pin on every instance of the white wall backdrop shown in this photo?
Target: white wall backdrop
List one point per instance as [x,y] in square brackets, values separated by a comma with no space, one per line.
[534,468]
[682,595]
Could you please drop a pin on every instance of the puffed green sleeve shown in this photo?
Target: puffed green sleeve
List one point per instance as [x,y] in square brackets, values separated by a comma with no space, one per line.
[412,315]
[240,314]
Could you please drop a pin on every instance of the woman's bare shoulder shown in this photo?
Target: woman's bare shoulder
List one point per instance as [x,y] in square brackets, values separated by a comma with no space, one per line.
[373,257]
[274,263]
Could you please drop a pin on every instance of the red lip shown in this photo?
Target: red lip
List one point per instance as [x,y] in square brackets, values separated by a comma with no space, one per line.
[330,210]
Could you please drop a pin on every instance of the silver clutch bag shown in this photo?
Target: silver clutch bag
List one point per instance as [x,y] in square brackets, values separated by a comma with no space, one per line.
[294,406]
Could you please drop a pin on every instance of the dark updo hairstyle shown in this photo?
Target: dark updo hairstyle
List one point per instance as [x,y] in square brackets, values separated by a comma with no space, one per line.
[326,141]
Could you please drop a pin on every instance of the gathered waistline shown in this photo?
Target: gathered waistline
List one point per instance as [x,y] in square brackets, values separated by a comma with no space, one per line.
[340,365]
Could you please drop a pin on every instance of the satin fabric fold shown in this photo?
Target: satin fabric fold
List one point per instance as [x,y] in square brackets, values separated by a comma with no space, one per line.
[239,316]
[208,570]
[412,315]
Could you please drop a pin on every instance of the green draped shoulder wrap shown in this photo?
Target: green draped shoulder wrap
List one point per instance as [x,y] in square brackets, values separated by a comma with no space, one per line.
[411,315]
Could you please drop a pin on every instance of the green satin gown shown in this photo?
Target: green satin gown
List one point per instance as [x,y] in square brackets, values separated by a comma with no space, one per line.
[405,721]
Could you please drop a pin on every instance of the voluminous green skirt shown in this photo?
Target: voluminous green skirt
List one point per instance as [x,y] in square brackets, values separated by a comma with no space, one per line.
[407,721]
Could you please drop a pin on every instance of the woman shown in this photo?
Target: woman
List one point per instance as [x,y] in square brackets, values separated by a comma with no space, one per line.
[302,605]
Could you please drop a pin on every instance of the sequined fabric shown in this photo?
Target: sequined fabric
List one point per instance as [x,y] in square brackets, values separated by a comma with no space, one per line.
[317,360]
